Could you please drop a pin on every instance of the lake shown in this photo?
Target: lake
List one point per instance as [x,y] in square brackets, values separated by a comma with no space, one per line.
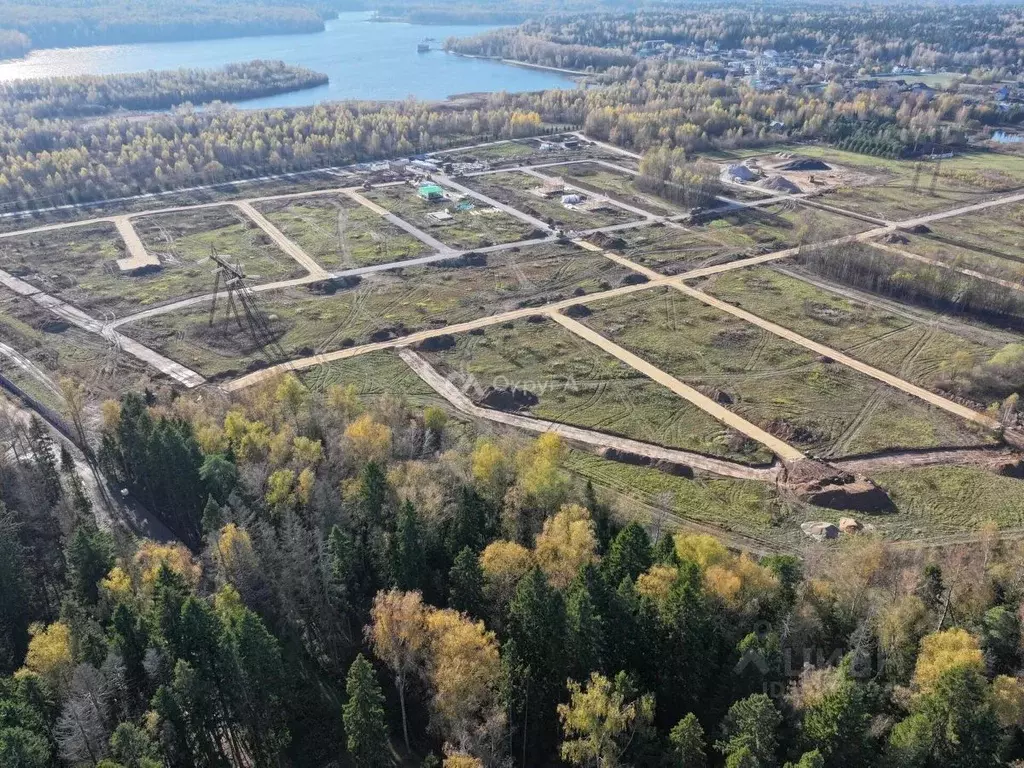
[364,59]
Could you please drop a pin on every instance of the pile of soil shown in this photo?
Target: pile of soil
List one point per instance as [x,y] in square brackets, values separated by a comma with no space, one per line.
[470,259]
[511,399]
[628,457]
[825,486]
[806,164]
[607,241]
[332,285]
[577,310]
[781,184]
[895,238]
[437,343]
[634,279]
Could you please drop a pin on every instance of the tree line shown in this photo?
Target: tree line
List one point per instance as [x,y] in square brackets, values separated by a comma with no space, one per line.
[93,95]
[54,161]
[363,581]
[874,37]
[63,23]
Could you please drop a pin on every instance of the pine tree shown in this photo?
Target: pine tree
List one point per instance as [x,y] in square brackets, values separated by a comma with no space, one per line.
[687,739]
[466,584]
[629,555]
[90,558]
[46,464]
[584,633]
[366,729]
[410,566]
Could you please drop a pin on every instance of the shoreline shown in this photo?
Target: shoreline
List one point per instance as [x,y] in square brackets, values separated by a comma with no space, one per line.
[525,64]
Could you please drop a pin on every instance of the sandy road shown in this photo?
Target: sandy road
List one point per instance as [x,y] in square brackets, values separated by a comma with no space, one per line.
[460,402]
[783,450]
[138,256]
[282,242]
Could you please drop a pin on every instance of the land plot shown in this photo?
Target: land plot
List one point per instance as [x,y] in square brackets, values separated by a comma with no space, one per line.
[665,249]
[339,233]
[937,501]
[55,349]
[494,153]
[813,403]
[374,375]
[779,226]
[543,370]
[380,306]
[989,241]
[617,185]
[750,507]
[920,347]
[518,190]
[477,226]
[904,188]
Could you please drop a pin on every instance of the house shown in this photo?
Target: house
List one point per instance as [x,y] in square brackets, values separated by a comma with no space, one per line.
[431,192]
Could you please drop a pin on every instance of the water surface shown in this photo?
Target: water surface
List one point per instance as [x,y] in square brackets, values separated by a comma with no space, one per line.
[364,59]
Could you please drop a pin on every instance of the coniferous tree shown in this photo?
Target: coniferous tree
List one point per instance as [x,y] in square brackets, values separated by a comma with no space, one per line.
[466,584]
[629,554]
[366,729]
[410,567]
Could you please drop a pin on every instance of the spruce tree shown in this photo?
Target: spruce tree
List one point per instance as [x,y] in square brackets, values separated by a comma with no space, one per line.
[366,728]
[410,564]
[466,584]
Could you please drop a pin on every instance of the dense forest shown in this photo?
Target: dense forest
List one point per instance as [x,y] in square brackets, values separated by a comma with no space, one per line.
[62,23]
[870,36]
[92,95]
[354,583]
[45,162]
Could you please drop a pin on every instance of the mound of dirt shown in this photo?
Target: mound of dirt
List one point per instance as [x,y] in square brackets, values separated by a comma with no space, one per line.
[780,184]
[437,343]
[470,259]
[608,242]
[825,486]
[634,279]
[895,238]
[510,399]
[577,310]
[805,164]
[919,229]
[332,285]
[636,459]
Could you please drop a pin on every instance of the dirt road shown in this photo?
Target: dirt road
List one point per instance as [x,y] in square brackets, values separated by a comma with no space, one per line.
[138,256]
[460,402]
[282,242]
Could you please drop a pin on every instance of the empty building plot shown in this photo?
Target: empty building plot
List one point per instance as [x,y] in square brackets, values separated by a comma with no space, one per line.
[809,401]
[373,375]
[776,227]
[455,219]
[900,189]
[616,184]
[352,311]
[39,349]
[339,233]
[537,368]
[665,248]
[990,242]
[550,201]
[925,348]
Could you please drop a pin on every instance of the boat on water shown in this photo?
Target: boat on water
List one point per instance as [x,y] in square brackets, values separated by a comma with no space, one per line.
[423,47]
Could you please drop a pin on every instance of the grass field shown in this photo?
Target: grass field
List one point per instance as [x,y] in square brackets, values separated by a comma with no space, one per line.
[466,230]
[665,249]
[339,233]
[915,345]
[817,405]
[513,188]
[779,226]
[745,506]
[989,241]
[615,184]
[578,384]
[933,501]
[185,240]
[959,181]
[380,306]
[374,375]
[57,349]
